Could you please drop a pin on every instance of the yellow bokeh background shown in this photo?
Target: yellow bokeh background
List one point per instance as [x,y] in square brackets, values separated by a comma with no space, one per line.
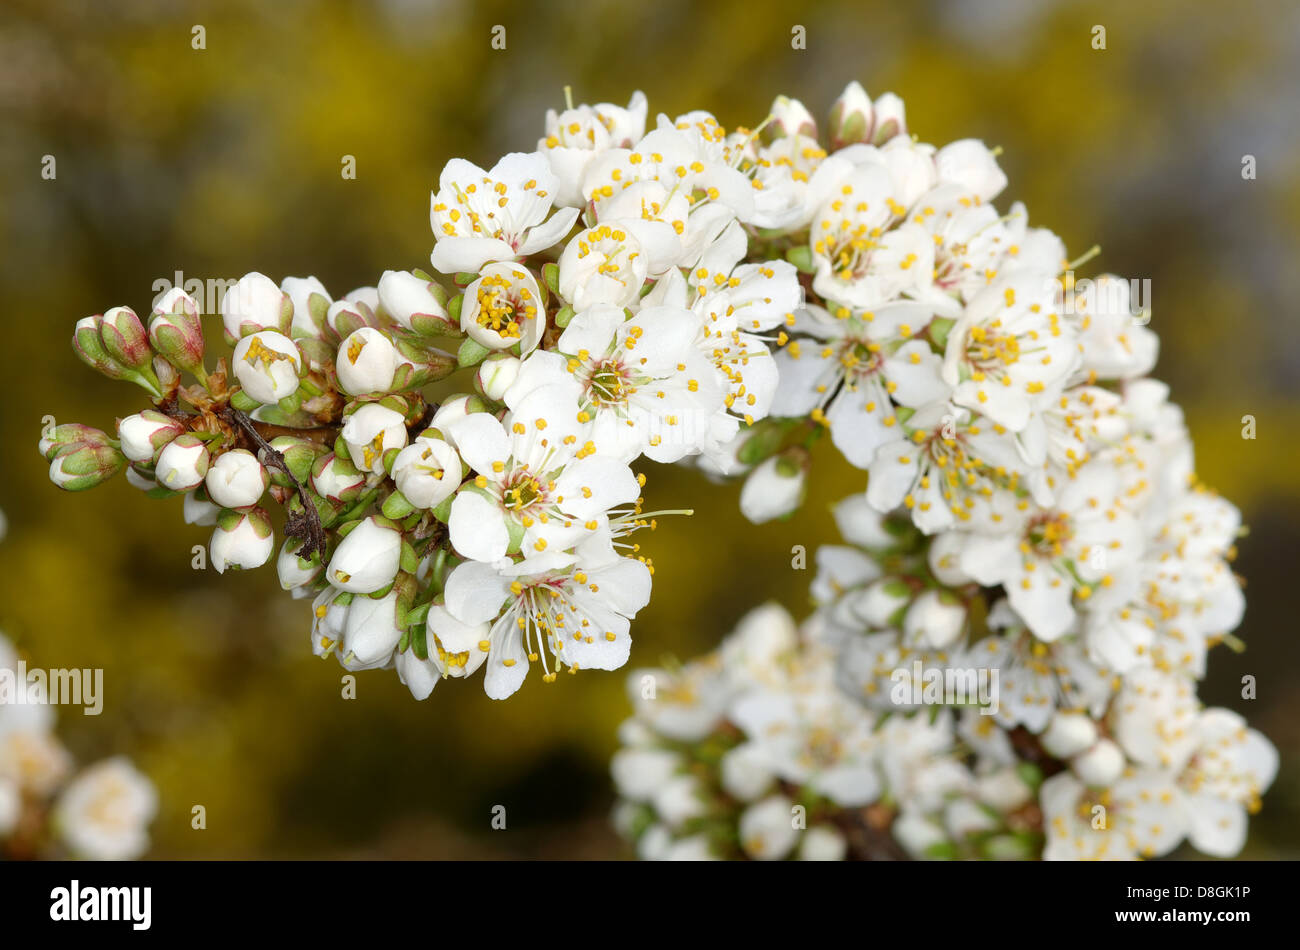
[218,161]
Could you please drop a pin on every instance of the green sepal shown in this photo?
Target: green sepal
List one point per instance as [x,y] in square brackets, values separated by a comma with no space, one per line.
[765,439]
[471,352]
[420,640]
[243,402]
[801,257]
[940,327]
[409,562]
[516,532]
[443,509]
[396,506]
[417,615]
[551,277]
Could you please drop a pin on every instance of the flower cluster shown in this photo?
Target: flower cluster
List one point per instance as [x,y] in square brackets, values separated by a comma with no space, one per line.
[1031,528]
[753,753]
[47,807]
[723,299]
[1134,764]
[602,292]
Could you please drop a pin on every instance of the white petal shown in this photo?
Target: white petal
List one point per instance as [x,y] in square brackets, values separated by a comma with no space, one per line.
[477,527]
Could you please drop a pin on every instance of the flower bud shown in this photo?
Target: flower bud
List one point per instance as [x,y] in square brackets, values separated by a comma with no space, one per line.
[852,117]
[178,303]
[337,479]
[69,437]
[311,302]
[420,364]
[86,466]
[293,571]
[370,432]
[299,455]
[183,463]
[1100,765]
[776,487]
[177,334]
[367,559]
[496,374]
[236,479]
[89,345]
[354,311]
[453,409]
[367,360]
[789,117]
[267,365]
[125,339]
[255,303]
[242,540]
[145,434]
[891,119]
[427,472]
[935,618]
[371,634]
[415,303]
[1068,734]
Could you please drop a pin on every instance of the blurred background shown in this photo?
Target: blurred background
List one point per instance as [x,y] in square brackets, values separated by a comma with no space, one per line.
[219,161]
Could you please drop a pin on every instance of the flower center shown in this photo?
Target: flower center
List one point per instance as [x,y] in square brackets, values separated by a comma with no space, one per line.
[609,383]
[523,491]
[1047,534]
[502,307]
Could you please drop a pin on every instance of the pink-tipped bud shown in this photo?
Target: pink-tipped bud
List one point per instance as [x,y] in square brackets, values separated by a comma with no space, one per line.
[145,434]
[69,437]
[125,339]
[175,332]
[86,466]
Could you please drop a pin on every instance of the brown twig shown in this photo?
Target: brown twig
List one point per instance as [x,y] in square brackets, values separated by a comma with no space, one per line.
[304,524]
